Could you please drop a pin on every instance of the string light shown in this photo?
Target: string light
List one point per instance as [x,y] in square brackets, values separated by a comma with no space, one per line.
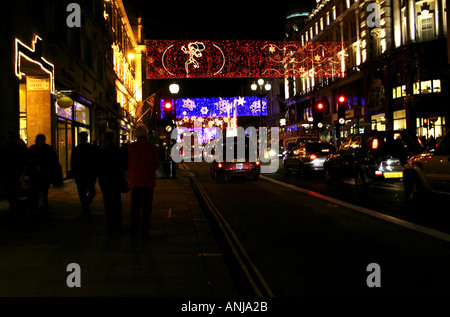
[242,59]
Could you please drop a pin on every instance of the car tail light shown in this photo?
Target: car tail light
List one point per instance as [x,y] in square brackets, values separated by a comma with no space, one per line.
[312,157]
[257,163]
[219,165]
[378,173]
[375,144]
[420,142]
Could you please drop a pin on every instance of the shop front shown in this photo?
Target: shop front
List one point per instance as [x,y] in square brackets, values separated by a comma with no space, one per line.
[71,120]
[35,87]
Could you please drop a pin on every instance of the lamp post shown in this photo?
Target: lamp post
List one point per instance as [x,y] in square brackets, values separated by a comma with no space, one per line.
[261,90]
[174,89]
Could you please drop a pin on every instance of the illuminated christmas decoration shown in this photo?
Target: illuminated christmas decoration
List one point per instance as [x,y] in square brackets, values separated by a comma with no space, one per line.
[218,107]
[241,59]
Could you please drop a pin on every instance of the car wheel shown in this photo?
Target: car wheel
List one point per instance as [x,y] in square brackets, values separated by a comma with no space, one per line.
[256,177]
[413,190]
[219,179]
[360,181]
[301,170]
[329,177]
[286,169]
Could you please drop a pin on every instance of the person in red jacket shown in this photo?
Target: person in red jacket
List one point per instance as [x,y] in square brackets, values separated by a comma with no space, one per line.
[143,161]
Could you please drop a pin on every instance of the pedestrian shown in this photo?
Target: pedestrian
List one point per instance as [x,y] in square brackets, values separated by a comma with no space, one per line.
[112,163]
[143,161]
[13,166]
[84,170]
[44,169]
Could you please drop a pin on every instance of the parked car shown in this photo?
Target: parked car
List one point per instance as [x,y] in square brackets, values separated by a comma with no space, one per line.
[427,173]
[373,156]
[307,157]
[234,165]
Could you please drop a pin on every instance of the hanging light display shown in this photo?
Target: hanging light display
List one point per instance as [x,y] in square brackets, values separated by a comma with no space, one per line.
[242,59]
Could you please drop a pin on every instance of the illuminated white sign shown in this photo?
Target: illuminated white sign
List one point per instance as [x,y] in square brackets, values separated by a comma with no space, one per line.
[34,55]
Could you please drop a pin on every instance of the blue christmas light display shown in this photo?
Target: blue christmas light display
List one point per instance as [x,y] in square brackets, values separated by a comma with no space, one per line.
[218,107]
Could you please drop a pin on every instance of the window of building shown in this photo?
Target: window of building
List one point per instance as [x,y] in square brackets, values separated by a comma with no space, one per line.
[334,12]
[399,91]
[317,28]
[436,129]
[321,24]
[328,18]
[400,119]
[378,122]
[427,86]
[427,27]
[436,85]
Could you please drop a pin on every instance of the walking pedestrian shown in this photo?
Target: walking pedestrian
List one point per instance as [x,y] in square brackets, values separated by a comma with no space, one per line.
[13,166]
[143,161]
[112,164]
[44,169]
[84,170]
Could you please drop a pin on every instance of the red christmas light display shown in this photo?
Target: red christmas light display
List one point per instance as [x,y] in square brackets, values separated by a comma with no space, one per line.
[241,59]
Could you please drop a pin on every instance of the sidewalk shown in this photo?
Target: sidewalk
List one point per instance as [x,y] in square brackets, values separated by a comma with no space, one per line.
[181,259]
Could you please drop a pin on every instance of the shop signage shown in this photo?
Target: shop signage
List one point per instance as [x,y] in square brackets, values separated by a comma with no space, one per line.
[34,84]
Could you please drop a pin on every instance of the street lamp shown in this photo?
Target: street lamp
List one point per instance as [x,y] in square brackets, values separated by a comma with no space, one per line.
[261,91]
[174,88]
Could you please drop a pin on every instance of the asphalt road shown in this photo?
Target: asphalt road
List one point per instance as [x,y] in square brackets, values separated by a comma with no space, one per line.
[305,245]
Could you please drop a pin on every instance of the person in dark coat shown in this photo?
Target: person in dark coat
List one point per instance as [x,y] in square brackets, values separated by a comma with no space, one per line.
[112,164]
[143,161]
[13,164]
[84,170]
[44,169]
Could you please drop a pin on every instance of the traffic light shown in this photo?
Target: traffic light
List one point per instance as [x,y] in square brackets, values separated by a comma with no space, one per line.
[168,110]
[318,115]
[341,110]
[425,123]
[169,116]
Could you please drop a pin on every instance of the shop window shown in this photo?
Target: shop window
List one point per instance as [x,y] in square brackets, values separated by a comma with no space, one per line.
[379,122]
[428,129]
[81,113]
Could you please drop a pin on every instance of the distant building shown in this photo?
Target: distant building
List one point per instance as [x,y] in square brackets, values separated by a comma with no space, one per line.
[396,63]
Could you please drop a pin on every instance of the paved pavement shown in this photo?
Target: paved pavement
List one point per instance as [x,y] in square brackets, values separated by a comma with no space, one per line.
[180,260]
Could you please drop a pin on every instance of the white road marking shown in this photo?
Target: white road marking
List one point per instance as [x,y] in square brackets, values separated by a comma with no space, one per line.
[394,220]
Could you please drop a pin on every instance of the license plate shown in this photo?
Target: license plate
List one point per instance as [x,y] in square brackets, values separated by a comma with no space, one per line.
[393,175]
[239,165]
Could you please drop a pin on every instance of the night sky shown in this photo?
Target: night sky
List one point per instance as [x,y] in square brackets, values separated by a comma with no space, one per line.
[214,20]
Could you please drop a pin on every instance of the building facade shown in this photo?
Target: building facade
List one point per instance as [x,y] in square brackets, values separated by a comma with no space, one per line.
[396,63]
[59,79]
